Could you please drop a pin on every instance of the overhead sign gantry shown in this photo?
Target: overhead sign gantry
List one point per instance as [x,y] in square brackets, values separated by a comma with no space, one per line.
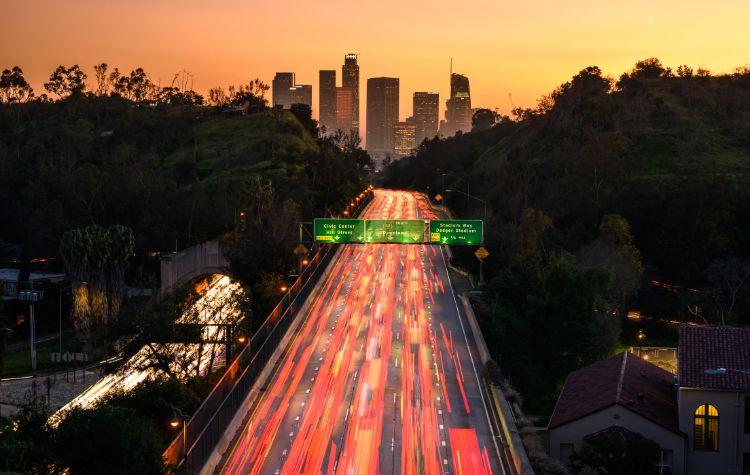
[403,231]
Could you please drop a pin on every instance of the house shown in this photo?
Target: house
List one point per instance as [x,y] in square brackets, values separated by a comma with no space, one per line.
[713,371]
[619,395]
[9,281]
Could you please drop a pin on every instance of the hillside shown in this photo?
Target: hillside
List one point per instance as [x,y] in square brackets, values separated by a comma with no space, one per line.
[670,154]
[174,174]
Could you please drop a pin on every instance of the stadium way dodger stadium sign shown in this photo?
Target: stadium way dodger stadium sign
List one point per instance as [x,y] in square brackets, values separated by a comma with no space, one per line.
[456,231]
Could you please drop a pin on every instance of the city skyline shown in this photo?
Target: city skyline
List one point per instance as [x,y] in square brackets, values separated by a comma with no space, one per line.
[524,50]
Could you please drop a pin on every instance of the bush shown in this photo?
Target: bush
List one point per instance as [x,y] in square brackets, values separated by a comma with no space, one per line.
[108,440]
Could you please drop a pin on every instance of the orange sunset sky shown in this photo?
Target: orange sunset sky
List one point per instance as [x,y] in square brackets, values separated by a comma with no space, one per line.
[526,48]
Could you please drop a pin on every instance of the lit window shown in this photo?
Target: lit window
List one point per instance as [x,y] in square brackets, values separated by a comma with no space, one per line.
[706,428]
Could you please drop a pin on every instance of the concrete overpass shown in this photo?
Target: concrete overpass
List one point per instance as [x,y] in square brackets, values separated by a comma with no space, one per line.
[187,264]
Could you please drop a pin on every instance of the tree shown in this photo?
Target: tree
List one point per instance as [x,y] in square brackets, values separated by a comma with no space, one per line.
[609,455]
[730,282]
[96,258]
[303,113]
[105,81]
[545,324]
[614,251]
[13,87]
[136,87]
[217,96]
[108,440]
[26,440]
[65,81]
[171,95]
[483,119]
[684,71]
[530,252]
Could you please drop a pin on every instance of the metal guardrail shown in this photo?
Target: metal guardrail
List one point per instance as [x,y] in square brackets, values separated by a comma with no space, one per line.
[502,414]
[206,426]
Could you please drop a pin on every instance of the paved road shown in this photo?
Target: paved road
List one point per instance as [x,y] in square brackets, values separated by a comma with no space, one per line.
[381,377]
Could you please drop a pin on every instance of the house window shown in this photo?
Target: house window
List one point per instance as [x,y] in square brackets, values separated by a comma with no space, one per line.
[706,428]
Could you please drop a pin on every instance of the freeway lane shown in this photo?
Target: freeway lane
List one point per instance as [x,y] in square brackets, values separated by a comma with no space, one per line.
[380,378]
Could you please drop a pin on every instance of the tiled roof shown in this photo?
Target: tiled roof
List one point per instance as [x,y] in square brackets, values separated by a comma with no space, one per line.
[708,347]
[623,379]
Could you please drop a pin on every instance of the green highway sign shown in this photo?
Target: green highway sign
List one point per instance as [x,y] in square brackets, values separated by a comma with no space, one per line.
[457,232]
[334,231]
[395,230]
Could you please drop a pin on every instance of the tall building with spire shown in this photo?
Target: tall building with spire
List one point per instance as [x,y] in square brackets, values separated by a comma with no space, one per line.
[425,115]
[382,113]
[327,100]
[458,106]
[350,79]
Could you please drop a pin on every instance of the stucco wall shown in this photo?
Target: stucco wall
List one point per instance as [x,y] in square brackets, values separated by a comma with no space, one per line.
[733,442]
[616,415]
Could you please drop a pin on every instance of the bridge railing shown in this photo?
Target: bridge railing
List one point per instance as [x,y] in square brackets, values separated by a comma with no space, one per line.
[205,428]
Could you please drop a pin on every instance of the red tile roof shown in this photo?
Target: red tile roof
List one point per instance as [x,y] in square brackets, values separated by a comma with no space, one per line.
[623,379]
[709,347]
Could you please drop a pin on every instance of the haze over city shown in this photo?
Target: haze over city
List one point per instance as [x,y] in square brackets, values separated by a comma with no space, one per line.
[517,47]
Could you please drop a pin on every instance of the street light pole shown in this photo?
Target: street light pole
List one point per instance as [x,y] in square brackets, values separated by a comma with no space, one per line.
[174,423]
[484,220]
[59,315]
[31,296]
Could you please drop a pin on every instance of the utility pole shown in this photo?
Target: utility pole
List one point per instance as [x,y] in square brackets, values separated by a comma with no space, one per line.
[31,296]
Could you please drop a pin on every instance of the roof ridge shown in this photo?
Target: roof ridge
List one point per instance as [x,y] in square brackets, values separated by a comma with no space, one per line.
[622,376]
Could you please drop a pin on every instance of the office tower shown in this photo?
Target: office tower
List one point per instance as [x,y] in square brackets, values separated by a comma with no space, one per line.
[327,101]
[282,89]
[426,115]
[350,79]
[404,138]
[458,107]
[382,113]
[344,110]
[301,94]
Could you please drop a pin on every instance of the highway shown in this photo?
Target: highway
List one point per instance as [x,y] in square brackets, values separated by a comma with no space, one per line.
[380,377]
[216,305]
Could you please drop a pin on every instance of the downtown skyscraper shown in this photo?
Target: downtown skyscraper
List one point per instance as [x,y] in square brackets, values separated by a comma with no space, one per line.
[282,90]
[327,101]
[350,80]
[286,92]
[457,107]
[425,115]
[382,114]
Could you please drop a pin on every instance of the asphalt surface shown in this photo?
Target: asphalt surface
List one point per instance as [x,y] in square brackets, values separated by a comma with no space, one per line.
[382,376]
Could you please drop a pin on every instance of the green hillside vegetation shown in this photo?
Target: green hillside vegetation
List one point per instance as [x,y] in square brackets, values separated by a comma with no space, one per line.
[601,188]
[171,173]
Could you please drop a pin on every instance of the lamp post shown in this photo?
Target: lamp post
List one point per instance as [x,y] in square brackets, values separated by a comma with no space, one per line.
[177,416]
[484,203]
[31,296]
[447,172]
[3,334]
[59,313]
[484,220]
